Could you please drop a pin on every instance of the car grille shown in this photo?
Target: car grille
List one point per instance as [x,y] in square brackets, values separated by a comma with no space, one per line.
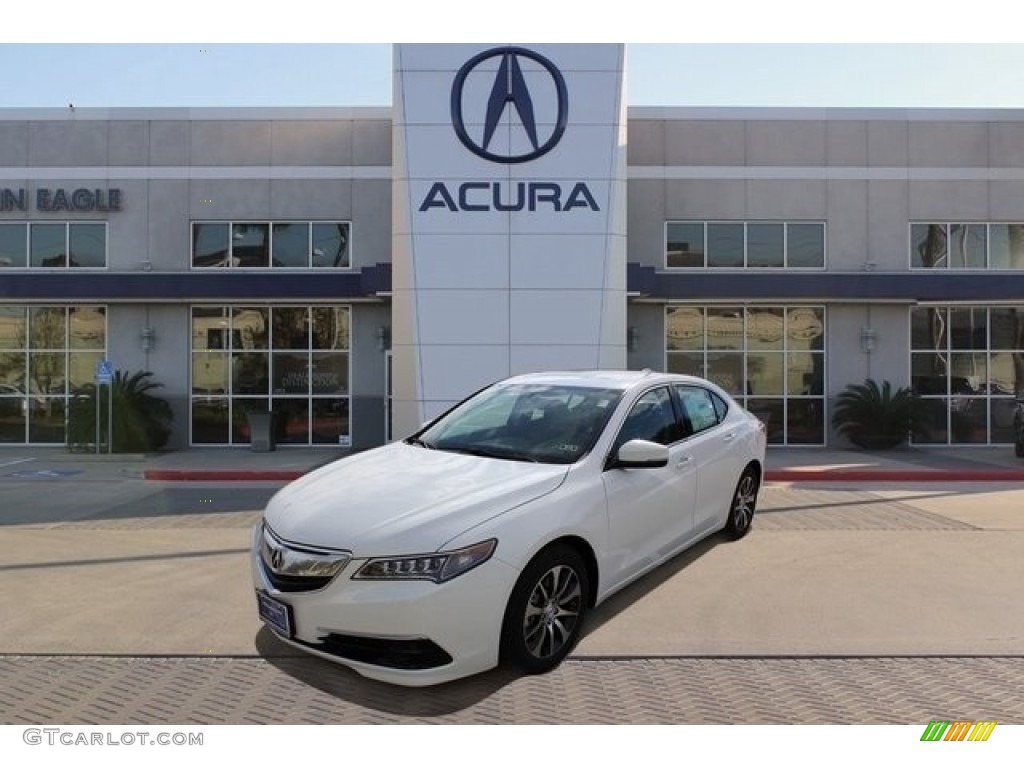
[291,567]
[420,653]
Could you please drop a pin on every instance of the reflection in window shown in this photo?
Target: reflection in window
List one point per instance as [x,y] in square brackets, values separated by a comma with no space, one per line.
[250,245]
[291,244]
[330,245]
[724,245]
[266,244]
[765,245]
[46,354]
[12,245]
[685,245]
[770,358]
[210,245]
[947,245]
[48,245]
[291,360]
[967,365]
[88,247]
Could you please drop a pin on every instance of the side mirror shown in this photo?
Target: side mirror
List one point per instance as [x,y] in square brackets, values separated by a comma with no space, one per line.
[640,454]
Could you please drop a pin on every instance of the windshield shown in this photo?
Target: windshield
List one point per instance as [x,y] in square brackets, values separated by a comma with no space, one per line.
[547,423]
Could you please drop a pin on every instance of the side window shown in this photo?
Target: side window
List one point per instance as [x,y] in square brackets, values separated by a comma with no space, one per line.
[652,418]
[700,408]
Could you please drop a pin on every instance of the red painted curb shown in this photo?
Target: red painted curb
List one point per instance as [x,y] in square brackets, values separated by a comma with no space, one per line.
[895,475]
[222,475]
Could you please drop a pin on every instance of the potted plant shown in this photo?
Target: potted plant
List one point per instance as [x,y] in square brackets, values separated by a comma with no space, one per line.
[874,417]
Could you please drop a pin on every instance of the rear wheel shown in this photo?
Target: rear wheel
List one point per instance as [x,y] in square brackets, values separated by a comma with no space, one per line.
[545,612]
[744,501]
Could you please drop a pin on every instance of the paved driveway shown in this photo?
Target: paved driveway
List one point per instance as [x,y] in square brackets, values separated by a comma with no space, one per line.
[859,605]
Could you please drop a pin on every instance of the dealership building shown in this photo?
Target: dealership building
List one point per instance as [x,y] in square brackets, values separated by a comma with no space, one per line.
[358,270]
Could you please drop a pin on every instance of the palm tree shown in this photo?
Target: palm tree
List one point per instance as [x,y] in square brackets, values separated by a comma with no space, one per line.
[875,417]
[139,420]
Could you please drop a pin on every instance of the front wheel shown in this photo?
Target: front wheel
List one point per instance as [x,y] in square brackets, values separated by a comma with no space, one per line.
[544,616]
[744,501]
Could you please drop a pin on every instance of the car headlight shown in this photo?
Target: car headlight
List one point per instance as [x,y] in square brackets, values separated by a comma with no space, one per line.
[436,566]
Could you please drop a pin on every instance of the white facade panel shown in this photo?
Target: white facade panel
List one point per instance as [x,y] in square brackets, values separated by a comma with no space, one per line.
[506,152]
[462,261]
[463,317]
[566,317]
[555,262]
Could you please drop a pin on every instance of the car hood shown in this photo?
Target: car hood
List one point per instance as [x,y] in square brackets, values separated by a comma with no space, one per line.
[403,499]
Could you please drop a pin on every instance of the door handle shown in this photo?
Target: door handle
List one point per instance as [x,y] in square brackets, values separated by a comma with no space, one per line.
[684,461]
[728,438]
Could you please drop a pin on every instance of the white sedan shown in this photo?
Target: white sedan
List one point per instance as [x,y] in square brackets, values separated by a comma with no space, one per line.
[487,536]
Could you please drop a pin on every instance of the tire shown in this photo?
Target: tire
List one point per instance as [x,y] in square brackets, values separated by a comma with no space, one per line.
[545,612]
[1018,450]
[743,504]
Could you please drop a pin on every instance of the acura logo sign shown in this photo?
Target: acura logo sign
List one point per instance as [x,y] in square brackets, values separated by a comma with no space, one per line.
[510,93]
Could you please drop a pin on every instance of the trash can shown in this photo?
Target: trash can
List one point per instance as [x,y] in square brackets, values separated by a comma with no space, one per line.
[261,431]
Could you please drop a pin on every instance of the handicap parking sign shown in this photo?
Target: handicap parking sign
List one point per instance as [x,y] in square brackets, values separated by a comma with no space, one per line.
[104,372]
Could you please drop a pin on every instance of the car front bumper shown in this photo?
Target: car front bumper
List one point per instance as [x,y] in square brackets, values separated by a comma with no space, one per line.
[412,633]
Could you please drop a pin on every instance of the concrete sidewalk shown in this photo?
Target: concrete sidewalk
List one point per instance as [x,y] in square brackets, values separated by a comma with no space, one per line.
[784,464]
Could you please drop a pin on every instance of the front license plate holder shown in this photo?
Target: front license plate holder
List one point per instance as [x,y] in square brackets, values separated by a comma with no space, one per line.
[275,614]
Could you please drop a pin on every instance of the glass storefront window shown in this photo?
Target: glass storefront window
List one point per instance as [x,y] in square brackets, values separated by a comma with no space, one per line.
[250,245]
[46,354]
[685,244]
[291,245]
[770,358]
[210,245]
[765,245]
[293,361]
[272,244]
[952,245]
[966,365]
[805,246]
[12,245]
[737,244]
[48,245]
[330,245]
[725,245]
[53,245]
[88,247]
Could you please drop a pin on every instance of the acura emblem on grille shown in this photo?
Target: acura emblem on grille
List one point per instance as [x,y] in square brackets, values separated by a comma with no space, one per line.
[276,558]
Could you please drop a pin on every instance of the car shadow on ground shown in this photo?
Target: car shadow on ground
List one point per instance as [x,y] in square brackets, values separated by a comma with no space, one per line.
[341,682]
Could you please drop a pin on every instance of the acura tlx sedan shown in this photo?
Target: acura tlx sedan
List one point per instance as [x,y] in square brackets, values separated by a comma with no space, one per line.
[487,536]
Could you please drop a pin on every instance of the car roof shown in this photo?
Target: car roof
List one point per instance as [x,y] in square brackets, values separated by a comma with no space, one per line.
[612,379]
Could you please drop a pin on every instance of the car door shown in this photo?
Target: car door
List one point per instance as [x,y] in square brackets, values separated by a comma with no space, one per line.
[650,509]
[713,452]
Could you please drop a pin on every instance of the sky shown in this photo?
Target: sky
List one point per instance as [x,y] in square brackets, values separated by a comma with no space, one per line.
[789,53]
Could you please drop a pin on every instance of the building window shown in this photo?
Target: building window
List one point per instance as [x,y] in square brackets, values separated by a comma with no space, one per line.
[47,245]
[46,354]
[753,244]
[771,359]
[967,364]
[267,244]
[294,361]
[966,246]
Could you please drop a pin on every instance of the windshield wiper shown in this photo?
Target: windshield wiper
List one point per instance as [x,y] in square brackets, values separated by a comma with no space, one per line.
[418,441]
[489,453]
